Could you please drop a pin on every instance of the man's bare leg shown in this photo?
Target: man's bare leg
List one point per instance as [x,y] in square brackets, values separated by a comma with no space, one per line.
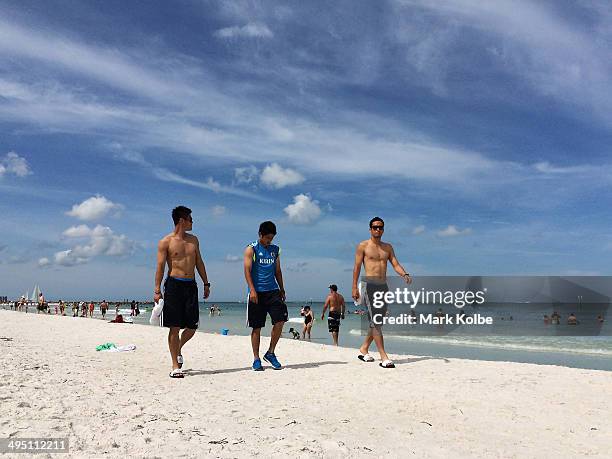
[380,344]
[365,347]
[186,335]
[277,330]
[255,339]
[173,344]
[335,337]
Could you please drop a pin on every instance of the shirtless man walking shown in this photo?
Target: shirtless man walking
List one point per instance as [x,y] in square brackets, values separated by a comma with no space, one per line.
[181,252]
[374,255]
[335,303]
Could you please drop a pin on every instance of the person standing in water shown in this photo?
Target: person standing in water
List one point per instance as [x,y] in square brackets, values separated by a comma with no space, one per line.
[335,303]
[308,322]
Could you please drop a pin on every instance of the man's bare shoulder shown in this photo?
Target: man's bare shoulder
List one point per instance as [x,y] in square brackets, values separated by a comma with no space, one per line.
[386,246]
[192,238]
[363,244]
[165,241]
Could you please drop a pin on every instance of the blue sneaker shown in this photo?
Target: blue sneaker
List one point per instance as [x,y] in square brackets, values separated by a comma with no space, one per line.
[257,366]
[272,360]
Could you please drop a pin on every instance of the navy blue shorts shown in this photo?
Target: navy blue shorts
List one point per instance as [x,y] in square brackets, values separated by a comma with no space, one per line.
[181,308]
[267,303]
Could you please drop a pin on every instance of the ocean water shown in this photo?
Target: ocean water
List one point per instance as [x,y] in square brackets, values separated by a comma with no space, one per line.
[591,352]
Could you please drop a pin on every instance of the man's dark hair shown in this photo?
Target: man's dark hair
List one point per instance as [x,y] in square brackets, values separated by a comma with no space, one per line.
[334,287]
[376,219]
[180,212]
[267,228]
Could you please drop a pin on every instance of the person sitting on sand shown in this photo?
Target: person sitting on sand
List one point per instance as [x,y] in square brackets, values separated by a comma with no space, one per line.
[572,319]
[118,319]
[181,252]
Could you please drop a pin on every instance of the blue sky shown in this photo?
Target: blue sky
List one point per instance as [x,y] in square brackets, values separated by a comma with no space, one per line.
[480,132]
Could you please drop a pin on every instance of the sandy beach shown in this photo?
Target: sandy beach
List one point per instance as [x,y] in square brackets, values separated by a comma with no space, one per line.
[324,403]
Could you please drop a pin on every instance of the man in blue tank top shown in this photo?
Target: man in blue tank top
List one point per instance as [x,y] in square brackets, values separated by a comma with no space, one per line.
[264,278]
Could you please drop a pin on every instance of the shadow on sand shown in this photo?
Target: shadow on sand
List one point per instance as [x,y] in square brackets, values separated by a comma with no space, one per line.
[190,372]
[297,366]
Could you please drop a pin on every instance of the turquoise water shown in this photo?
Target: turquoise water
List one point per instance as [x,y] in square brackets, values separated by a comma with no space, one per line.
[579,352]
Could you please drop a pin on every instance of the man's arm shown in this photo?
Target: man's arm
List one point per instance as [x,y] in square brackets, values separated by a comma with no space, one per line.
[342,306]
[397,266]
[248,264]
[325,307]
[202,269]
[279,277]
[162,253]
[359,256]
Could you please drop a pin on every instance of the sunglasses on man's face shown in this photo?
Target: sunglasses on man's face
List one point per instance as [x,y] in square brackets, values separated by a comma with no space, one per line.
[378,228]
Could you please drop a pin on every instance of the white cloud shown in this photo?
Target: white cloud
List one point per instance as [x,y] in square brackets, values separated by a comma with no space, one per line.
[547,168]
[303,211]
[43,262]
[93,208]
[101,241]
[254,30]
[14,164]
[419,229]
[274,176]
[245,174]
[218,211]
[452,230]
[210,184]
[232,258]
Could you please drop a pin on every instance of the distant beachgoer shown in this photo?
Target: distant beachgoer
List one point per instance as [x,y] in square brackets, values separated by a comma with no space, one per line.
[117,306]
[555,318]
[546,319]
[308,321]
[56,308]
[62,306]
[336,305]
[262,271]
[212,310]
[137,313]
[75,309]
[83,309]
[374,255]
[92,306]
[572,319]
[181,252]
[41,303]
[218,310]
[600,319]
[118,319]
[133,308]
[103,308]
[295,334]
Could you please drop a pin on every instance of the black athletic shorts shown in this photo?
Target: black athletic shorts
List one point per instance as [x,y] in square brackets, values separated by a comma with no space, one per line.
[371,288]
[333,321]
[181,308]
[267,303]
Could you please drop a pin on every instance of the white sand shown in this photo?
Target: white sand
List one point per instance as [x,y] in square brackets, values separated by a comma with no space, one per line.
[324,403]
